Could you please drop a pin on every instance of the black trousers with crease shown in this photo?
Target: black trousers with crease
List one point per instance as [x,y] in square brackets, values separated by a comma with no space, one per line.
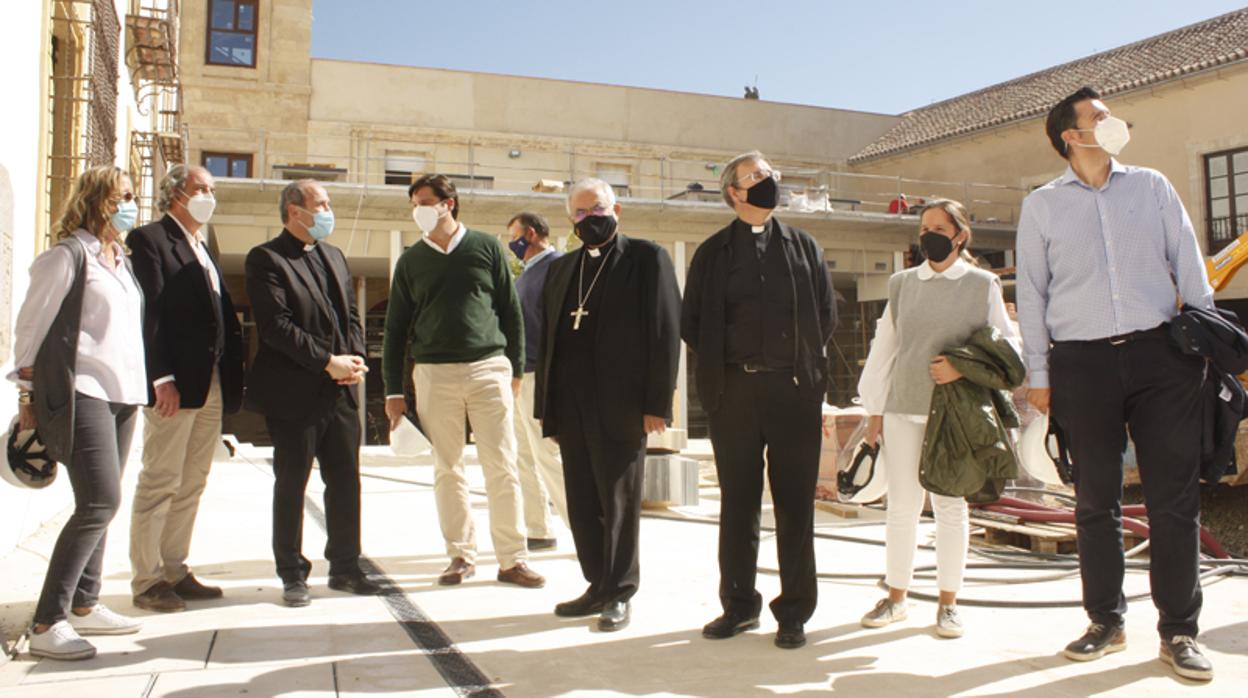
[763,414]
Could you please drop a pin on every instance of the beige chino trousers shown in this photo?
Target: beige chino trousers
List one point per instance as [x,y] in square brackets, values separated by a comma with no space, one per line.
[541,468]
[177,455]
[480,390]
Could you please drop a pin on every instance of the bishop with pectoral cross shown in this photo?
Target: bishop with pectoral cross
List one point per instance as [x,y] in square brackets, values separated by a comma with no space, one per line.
[605,376]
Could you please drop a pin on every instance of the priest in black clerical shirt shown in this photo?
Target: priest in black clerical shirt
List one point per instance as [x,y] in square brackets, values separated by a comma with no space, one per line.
[605,375]
[758,313]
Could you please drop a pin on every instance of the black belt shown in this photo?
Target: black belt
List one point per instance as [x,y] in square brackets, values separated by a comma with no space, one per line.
[1159,332]
[759,368]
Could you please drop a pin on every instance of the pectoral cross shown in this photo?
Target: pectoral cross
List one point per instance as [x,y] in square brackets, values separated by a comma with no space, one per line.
[579,313]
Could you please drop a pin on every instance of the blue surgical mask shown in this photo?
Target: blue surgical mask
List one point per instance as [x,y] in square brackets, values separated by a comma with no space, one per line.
[322,224]
[126,217]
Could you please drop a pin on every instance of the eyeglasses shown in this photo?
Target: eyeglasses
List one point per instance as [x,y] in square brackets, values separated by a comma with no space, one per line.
[128,196]
[758,176]
[581,214]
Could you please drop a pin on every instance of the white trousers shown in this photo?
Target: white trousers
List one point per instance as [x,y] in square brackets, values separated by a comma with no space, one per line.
[541,468]
[481,391]
[903,444]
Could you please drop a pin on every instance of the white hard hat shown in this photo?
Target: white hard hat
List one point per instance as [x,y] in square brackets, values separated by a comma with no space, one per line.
[863,481]
[1042,452]
[860,468]
[28,464]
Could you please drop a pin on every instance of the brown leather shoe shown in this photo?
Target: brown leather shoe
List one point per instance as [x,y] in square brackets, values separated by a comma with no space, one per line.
[190,589]
[521,575]
[459,570]
[161,598]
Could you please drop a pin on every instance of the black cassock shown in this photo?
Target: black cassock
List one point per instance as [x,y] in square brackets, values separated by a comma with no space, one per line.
[595,384]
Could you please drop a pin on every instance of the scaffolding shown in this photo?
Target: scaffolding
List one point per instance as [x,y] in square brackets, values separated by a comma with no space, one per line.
[152,59]
[82,94]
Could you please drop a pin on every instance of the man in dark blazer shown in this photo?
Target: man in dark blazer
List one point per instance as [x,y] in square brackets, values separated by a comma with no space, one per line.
[759,311]
[193,347]
[303,381]
[605,377]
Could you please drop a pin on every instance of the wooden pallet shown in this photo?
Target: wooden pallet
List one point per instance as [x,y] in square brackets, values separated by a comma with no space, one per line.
[1006,530]
[1036,537]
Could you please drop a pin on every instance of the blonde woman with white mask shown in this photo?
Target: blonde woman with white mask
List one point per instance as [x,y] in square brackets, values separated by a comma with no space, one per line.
[937,304]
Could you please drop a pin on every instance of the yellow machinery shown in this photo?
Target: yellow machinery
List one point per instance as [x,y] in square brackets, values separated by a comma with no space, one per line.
[1223,265]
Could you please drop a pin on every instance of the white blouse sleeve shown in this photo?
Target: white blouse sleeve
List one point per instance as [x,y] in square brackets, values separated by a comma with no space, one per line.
[877,375]
[1000,319]
[51,276]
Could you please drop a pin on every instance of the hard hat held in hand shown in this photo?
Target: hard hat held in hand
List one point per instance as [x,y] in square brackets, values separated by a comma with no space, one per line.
[860,469]
[28,464]
[1042,452]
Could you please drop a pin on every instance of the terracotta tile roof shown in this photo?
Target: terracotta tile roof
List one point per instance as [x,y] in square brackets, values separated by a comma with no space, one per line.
[1191,49]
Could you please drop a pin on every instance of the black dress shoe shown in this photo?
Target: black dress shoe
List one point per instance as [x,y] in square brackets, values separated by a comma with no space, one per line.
[1183,654]
[296,594]
[614,616]
[790,636]
[583,605]
[1099,640]
[729,625]
[354,583]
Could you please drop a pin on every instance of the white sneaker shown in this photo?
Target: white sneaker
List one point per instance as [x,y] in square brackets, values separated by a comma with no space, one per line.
[884,613]
[60,641]
[103,621]
[948,624]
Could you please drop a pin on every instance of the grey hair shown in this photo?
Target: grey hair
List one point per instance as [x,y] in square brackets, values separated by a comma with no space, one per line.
[605,191]
[172,183]
[728,178]
[293,194]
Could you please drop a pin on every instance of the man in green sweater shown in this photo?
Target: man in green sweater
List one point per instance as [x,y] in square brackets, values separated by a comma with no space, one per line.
[454,310]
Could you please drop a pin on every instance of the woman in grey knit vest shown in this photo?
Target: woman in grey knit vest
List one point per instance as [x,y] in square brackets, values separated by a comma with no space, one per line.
[937,304]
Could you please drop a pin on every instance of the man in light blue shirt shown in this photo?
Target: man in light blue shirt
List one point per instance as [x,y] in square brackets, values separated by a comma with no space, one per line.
[1105,254]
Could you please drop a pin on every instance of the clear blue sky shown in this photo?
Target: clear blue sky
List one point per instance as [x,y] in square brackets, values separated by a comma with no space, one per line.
[871,55]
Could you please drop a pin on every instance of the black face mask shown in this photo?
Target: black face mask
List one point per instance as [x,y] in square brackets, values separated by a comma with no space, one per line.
[765,194]
[936,247]
[595,230]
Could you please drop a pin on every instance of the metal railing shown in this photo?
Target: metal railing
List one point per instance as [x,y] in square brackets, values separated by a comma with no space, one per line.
[367,159]
[1223,230]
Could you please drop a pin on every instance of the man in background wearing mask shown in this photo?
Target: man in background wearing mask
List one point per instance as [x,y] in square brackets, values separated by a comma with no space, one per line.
[303,381]
[541,472]
[193,346]
[1098,352]
[605,375]
[453,309]
[759,311]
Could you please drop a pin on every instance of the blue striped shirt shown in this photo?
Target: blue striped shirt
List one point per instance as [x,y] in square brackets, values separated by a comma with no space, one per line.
[1095,263]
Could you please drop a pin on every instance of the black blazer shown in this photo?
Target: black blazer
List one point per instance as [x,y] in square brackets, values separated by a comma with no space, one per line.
[704,313]
[179,323]
[296,329]
[638,348]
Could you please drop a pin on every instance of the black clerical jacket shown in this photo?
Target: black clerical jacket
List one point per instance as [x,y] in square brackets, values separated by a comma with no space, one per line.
[183,319]
[636,342]
[814,314]
[299,326]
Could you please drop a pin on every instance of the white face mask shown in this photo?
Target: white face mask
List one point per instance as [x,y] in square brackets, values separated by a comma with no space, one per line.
[426,217]
[1111,134]
[201,207]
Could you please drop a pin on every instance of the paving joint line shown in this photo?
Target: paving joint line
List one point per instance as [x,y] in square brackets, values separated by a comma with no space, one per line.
[458,670]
